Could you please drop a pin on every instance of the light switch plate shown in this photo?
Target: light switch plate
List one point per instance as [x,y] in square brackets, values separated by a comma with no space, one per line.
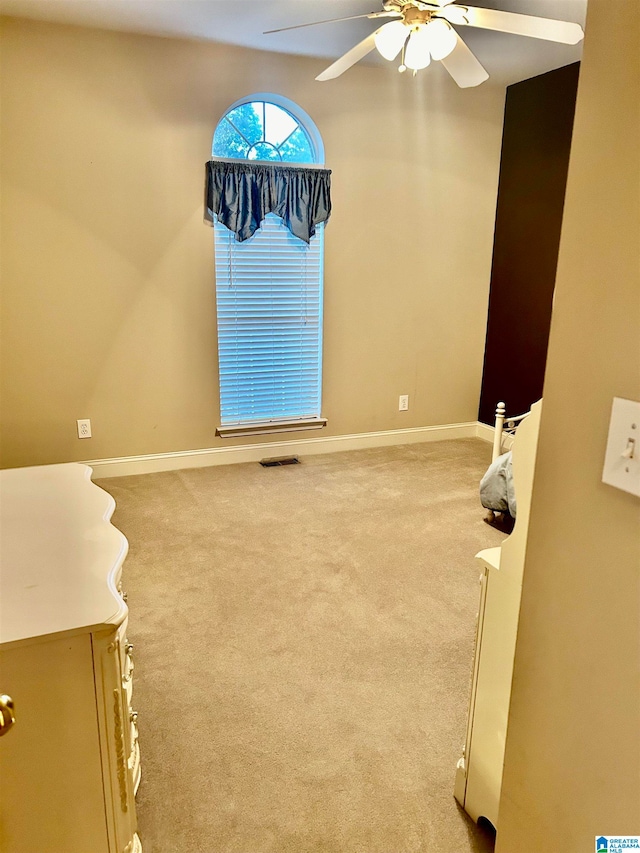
[622,459]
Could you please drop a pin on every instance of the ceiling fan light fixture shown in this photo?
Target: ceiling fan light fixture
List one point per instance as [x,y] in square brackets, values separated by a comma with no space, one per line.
[417,54]
[390,38]
[441,38]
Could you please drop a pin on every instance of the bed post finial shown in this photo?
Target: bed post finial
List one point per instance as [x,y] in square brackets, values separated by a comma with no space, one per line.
[497,435]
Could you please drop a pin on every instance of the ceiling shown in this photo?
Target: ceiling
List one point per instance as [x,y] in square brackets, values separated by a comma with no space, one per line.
[507,58]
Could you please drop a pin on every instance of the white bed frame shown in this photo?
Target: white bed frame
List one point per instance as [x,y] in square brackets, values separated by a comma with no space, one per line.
[503,436]
[505,429]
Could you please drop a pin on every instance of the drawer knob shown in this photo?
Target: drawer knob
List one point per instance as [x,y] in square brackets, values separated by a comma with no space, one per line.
[7,713]
[133,716]
[129,649]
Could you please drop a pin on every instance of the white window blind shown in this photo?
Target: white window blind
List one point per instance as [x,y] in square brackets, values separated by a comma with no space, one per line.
[269,306]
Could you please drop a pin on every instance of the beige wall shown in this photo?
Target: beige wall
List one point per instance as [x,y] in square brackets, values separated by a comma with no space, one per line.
[573,746]
[107,267]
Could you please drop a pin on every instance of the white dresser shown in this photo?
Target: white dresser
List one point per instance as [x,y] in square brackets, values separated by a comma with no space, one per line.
[479,771]
[70,765]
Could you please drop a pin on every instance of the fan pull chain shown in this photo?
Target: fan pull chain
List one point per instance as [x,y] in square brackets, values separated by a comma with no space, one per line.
[402,67]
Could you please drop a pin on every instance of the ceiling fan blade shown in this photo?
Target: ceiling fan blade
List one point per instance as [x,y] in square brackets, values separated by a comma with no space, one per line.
[383,14]
[464,67]
[549,29]
[358,52]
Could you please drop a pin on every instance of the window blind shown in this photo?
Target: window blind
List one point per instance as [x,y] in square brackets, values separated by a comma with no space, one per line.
[269,305]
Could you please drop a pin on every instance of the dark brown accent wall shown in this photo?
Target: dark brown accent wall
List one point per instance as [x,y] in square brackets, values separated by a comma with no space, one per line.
[533,175]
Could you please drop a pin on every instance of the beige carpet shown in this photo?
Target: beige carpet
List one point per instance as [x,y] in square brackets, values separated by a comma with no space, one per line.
[303,641]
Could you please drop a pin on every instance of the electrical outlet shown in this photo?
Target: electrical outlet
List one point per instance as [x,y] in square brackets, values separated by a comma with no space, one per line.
[84,428]
[403,403]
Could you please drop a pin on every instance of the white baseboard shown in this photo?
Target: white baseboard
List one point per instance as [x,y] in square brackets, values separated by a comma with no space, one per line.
[153,463]
[485,432]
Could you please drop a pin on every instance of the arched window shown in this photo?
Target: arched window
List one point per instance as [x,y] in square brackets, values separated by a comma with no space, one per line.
[269,287]
[267,127]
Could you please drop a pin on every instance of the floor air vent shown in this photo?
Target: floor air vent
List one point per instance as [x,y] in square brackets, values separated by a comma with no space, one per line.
[279,460]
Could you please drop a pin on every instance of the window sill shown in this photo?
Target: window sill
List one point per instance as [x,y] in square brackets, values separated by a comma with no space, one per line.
[268,427]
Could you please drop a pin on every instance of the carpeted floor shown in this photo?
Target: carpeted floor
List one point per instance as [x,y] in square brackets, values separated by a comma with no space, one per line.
[303,642]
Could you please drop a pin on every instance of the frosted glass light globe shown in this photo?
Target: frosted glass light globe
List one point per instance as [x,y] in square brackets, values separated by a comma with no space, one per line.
[390,38]
[441,38]
[417,54]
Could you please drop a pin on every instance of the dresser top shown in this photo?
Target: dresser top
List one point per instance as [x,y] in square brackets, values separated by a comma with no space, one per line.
[60,556]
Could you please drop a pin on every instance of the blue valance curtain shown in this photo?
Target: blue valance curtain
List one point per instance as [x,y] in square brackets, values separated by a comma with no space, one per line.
[241,194]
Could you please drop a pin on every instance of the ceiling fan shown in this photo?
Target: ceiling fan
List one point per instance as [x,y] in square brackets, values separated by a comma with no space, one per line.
[423,31]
